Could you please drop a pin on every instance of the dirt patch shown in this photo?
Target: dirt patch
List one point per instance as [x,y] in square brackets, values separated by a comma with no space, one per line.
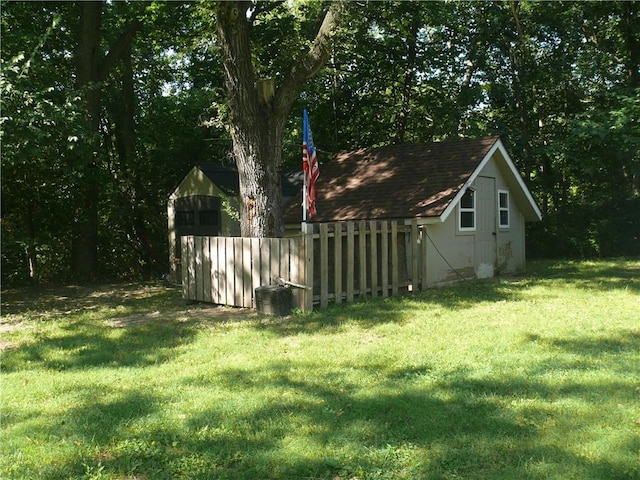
[219,312]
[8,345]
[11,327]
[198,313]
[134,320]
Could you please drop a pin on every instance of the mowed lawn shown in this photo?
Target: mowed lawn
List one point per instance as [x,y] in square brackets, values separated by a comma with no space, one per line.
[531,377]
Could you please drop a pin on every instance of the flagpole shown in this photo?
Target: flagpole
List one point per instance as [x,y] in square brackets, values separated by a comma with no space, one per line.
[304,171]
[304,200]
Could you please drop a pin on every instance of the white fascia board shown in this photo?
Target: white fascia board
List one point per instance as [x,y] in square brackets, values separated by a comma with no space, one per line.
[175,194]
[507,159]
[470,180]
[518,178]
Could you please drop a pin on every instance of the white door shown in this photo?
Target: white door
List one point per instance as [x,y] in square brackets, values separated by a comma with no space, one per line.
[486,242]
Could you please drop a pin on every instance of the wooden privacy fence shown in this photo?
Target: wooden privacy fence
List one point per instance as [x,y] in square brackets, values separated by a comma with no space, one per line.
[227,270]
[331,262]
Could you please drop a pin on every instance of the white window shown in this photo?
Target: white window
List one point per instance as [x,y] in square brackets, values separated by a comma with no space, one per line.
[467,211]
[503,208]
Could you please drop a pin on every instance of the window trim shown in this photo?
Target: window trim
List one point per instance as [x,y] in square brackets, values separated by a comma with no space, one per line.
[501,209]
[472,210]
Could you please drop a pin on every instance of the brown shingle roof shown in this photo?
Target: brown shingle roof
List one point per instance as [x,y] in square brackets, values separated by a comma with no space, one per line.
[397,181]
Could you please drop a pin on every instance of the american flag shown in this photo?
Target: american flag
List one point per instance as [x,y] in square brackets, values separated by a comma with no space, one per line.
[310,167]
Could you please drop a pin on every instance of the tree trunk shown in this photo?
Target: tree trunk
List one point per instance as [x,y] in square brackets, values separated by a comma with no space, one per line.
[84,251]
[30,249]
[258,152]
[129,175]
[92,68]
[632,45]
[403,116]
[257,120]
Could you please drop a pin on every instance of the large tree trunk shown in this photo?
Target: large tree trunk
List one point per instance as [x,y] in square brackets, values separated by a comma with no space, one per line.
[258,115]
[84,252]
[92,68]
[257,147]
[129,175]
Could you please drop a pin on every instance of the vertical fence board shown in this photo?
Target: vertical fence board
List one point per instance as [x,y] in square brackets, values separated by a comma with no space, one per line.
[350,260]
[189,269]
[206,268]
[265,261]
[373,225]
[238,273]
[274,260]
[284,260]
[362,252]
[324,265]
[424,259]
[184,266]
[220,279]
[415,254]
[384,253]
[215,269]
[247,281]
[222,270]
[395,260]
[197,251]
[294,271]
[338,265]
[229,271]
[255,265]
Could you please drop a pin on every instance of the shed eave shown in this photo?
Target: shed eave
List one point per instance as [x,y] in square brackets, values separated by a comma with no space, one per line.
[534,213]
[424,220]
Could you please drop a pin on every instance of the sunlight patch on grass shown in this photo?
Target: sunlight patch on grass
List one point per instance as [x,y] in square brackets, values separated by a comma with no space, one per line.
[530,377]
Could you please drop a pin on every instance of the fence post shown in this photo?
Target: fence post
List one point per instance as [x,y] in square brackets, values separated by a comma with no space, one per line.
[324,265]
[425,259]
[415,257]
[188,268]
[307,231]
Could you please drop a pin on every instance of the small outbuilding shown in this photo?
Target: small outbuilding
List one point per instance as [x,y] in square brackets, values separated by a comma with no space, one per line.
[467,196]
[206,203]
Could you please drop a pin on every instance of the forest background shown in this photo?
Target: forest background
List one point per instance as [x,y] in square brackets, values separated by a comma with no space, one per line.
[103,115]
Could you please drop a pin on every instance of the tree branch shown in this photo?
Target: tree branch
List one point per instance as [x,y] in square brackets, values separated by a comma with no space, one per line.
[121,44]
[307,66]
[263,7]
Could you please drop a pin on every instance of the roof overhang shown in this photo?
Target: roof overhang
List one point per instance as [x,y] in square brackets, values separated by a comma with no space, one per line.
[530,208]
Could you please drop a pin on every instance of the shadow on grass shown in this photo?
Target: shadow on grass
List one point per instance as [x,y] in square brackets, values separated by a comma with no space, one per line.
[81,345]
[74,299]
[98,418]
[592,276]
[75,327]
[603,275]
[594,346]
[413,422]
[326,428]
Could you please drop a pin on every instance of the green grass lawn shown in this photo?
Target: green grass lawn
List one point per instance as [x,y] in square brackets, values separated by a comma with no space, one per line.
[533,377]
